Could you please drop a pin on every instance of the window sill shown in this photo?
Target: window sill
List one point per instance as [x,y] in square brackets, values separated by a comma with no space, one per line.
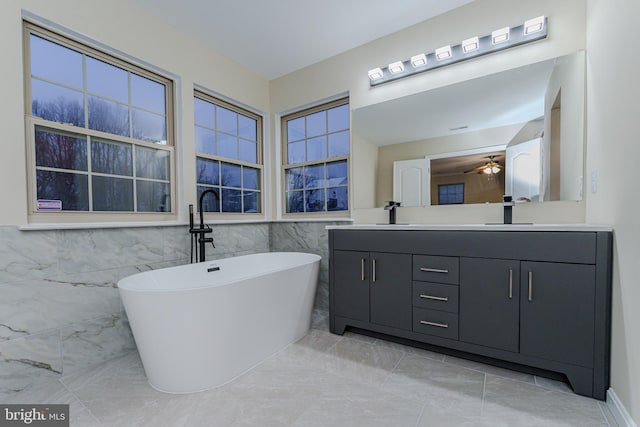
[102,225]
[91,225]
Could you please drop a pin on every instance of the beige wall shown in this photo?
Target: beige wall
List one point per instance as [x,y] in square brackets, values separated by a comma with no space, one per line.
[366,179]
[126,28]
[347,72]
[613,152]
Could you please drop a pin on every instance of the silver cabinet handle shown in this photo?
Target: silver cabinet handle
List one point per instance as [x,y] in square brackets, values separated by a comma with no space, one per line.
[433,270]
[439,325]
[373,278]
[531,286]
[510,284]
[362,270]
[434,298]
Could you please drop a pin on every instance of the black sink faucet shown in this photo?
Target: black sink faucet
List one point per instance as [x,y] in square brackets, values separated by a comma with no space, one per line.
[391,207]
[508,203]
[202,230]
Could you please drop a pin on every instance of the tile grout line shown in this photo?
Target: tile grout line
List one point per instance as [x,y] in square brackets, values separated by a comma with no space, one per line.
[484,392]
[79,401]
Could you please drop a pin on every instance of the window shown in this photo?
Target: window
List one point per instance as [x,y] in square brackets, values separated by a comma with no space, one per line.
[100,130]
[228,143]
[316,159]
[450,194]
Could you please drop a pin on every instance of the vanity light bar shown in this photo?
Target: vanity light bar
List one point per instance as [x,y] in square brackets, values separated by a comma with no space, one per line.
[504,38]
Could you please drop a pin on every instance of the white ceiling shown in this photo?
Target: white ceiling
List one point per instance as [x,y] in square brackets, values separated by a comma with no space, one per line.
[276,37]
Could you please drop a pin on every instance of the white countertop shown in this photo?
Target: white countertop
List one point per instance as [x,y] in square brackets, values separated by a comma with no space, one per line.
[475,227]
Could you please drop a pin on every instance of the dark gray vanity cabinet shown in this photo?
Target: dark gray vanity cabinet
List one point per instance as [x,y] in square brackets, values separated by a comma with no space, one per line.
[557,316]
[490,302]
[540,309]
[525,300]
[373,287]
[435,295]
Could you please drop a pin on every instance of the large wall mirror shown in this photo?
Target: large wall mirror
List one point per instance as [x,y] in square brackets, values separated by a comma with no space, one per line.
[518,132]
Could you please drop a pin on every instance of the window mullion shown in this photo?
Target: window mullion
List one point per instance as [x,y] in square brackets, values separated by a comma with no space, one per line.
[134,167]
[90,172]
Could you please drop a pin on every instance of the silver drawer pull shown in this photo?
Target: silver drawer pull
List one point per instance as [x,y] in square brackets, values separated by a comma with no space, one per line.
[439,325]
[434,298]
[433,270]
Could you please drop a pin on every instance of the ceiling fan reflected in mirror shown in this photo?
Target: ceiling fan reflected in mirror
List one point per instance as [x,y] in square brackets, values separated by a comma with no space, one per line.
[491,167]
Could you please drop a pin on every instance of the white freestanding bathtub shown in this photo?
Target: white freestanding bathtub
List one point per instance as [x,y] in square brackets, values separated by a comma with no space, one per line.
[197,330]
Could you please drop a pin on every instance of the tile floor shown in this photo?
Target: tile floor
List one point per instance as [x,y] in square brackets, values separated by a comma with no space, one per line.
[328,380]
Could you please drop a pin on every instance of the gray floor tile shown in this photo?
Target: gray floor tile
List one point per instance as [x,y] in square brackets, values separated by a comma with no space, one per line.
[438,385]
[490,369]
[325,380]
[509,402]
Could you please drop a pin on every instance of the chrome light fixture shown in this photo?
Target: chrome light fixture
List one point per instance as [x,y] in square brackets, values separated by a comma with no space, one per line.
[534,25]
[500,36]
[504,38]
[443,53]
[396,67]
[376,74]
[418,60]
[469,45]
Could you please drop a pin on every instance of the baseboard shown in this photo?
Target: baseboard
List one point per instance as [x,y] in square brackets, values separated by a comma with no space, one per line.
[618,410]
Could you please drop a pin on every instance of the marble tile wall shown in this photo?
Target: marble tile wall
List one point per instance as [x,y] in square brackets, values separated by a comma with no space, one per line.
[59,305]
[306,237]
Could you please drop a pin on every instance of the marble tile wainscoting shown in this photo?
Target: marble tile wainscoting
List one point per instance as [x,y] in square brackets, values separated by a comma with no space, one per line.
[60,310]
[311,237]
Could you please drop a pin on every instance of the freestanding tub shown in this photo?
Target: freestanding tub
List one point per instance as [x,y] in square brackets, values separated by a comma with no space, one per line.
[197,330]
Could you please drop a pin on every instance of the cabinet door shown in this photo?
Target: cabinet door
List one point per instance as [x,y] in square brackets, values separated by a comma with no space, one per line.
[557,312]
[351,284]
[391,290]
[489,302]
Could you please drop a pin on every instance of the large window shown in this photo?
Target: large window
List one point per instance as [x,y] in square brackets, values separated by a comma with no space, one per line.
[316,159]
[228,143]
[100,130]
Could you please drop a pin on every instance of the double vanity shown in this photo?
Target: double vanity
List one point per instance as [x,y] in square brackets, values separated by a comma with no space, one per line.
[535,298]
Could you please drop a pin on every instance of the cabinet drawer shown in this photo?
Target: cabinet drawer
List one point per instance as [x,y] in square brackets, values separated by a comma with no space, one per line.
[440,269]
[435,296]
[434,322]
